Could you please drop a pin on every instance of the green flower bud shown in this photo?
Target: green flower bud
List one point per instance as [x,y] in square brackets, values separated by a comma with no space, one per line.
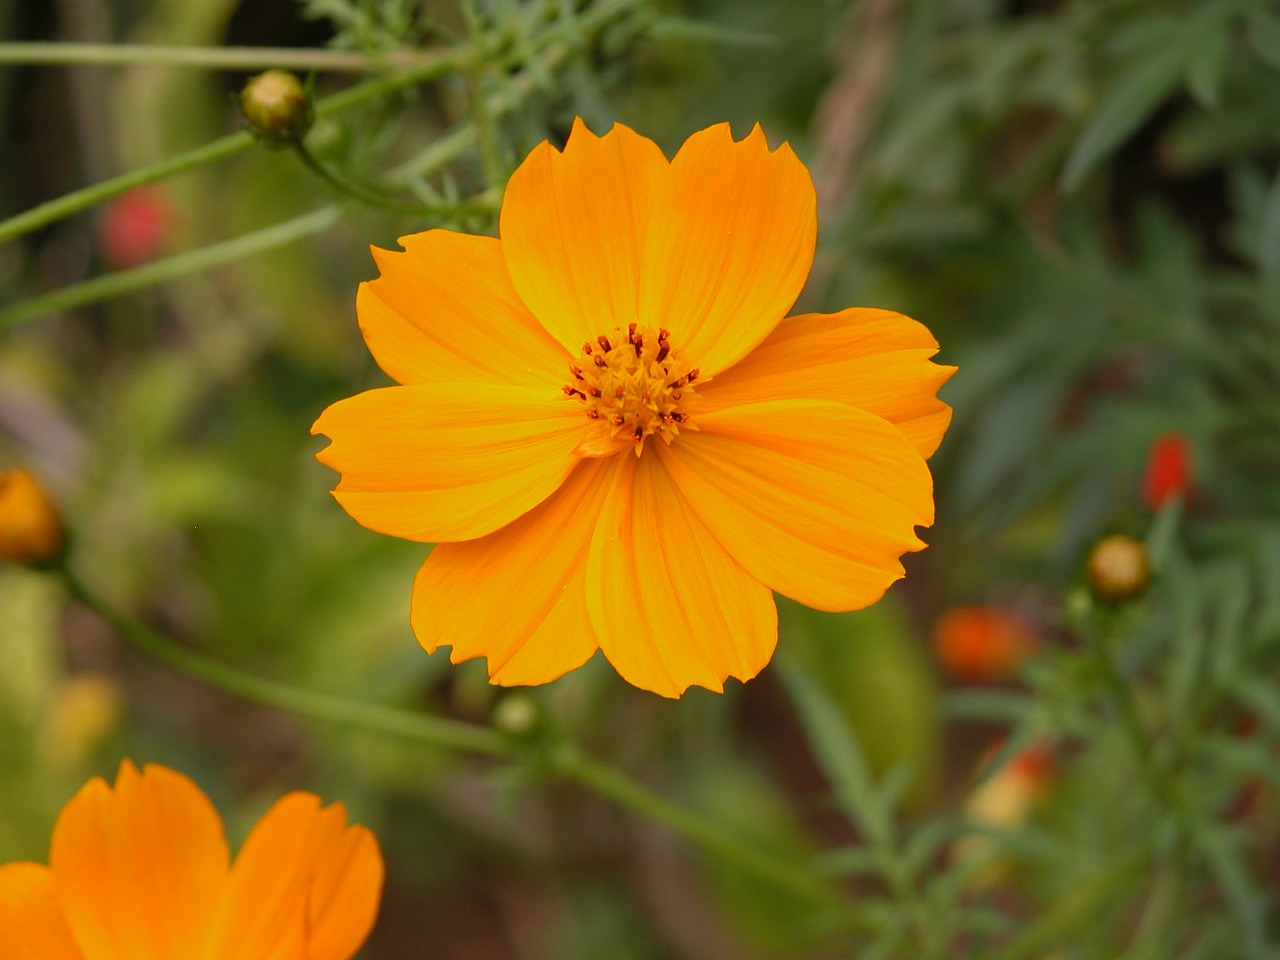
[1118,569]
[277,108]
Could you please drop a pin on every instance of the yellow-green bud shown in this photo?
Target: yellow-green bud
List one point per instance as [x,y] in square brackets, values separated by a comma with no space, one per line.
[277,108]
[30,525]
[1118,569]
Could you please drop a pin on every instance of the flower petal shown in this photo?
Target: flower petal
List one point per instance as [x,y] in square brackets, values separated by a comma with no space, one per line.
[31,921]
[304,886]
[729,245]
[672,609]
[139,869]
[876,360]
[444,311]
[572,228]
[436,462]
[817,500]
[518,596]
[345,894]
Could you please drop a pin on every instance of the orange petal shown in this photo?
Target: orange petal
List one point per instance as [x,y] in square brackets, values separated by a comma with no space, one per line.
[432,462]
[31,922]
[304,886]
[444,311]
[817,500]
[672,609]
[518,595]
[729,245]
[139,869]
[876,360]
[345,895]
[572,227]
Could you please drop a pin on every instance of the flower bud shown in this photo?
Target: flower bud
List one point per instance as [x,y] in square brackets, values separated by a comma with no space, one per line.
[1118,569]
[30,526]
[1168,472]
[277,108]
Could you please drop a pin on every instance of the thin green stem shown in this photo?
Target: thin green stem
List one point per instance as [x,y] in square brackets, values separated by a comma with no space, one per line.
[125,281]
[1073,912]
[214,58]
[482,203]
[64,206]
[1122,694]
[795,878]
[565,760]
[77,200]
[429,66]
[437,731]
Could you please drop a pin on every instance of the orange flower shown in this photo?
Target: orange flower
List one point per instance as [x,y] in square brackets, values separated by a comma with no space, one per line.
[976,642]
[612,433]
[30,526]
[142,872]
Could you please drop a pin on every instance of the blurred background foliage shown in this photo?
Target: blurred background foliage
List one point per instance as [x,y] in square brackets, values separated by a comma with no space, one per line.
[1081,199]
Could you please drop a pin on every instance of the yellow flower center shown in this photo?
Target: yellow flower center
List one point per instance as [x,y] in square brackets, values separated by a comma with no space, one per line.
[631,384]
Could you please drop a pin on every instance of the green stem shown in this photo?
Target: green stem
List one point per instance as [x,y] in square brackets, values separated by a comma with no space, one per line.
[627,793]
[456,735]
[54,210]
[126,281]
[429,66]
[320,706]
[1072,913]
[216,58]
[1160,783]
[482,203]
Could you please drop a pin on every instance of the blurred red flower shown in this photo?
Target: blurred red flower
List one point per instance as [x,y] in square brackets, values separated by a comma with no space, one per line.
[135,227]
[1168,471]
[981,643]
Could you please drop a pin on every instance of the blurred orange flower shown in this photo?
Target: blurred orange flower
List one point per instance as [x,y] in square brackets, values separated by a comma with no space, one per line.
[31,529]
[142,872]
[982,643]
[613,434]
[1168,472]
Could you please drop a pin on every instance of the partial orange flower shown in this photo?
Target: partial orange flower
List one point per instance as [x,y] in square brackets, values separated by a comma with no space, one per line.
[612,434]
[141,871]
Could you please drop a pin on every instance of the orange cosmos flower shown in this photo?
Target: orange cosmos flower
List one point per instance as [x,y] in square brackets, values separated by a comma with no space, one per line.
[142,872]
[612,433]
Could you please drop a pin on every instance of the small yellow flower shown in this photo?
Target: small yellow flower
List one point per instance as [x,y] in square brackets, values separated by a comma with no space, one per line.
[612,433]
[142,872]
[30,525]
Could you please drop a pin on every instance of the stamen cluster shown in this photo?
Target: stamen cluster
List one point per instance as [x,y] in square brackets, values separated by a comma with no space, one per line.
[632,384]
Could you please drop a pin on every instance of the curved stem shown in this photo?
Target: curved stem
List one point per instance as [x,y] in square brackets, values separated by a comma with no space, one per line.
[479,204]
[565,760]
[216,58]
[61,207]
[320,706]
[795,878]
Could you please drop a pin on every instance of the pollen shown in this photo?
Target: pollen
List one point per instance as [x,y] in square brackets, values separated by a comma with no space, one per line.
[632,384]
